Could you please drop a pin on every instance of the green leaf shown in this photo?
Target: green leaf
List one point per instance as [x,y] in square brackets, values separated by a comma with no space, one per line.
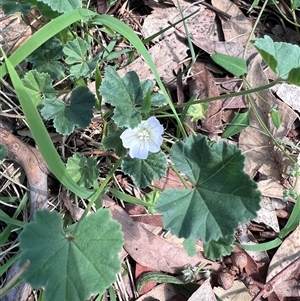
[66,116]
[76,52]
[146,87]
[287,67]
[275,116]
[38,85]
[82,170]
[45,58]
[71,265]
[113,141]
[46,10]
[254,4]
[293,221]
[37,126]
[158,277]
[189,245]
[63,6]
[197,111]
[222,195]
[124,94]
[10,7]
[234,65]
[157,100]
[151,199]
[263,246]
[295,4]
[145,171]
[239,122]
[85,69]
[3,151]
[216,249]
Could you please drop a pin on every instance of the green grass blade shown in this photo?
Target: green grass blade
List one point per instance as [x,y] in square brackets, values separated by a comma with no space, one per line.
[44,34]
[131,36]
[41,136]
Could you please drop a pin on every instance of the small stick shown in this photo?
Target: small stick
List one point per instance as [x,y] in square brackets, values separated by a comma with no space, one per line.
[282,275]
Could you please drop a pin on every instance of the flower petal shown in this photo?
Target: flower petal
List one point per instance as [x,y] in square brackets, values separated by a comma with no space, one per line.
[154,126]
[128,137]
[139,150]
[154,143]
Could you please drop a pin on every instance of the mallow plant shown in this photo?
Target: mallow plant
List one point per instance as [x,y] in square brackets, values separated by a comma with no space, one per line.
[218,194]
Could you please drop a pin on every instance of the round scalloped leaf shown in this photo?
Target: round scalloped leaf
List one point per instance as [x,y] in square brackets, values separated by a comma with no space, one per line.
[145,171]
[222,195]
[71,265]
[287,67]
[82,170]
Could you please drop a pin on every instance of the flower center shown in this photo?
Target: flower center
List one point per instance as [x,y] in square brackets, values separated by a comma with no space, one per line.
[143,135]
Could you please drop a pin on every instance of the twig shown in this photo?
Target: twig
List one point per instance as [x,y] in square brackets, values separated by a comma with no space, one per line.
[282,275]
[37,172]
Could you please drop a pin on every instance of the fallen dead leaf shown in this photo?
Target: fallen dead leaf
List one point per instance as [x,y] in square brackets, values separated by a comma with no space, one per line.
[203,293]
[271,188]
[238,292]
[288,93]
[166,55]
[169,181]
[259,150]
[267,215]
[139,271]
[238,27]
[163,292]
[149,249]
[288,285]
[206,88]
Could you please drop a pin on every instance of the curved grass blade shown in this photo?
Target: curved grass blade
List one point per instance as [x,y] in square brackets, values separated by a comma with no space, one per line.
[42,137]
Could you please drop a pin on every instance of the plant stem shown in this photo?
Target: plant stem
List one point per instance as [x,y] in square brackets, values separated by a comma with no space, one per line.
[100,190]
[254,26]
[205,100]
[265,128]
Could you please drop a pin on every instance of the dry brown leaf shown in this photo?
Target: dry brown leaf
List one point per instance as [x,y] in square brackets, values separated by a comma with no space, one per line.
[199,25]
[166,55]
[149,249]
[245,237]
[139,271]
[267,215]
[288,93]
[13,32]
[163,292]
[271,188]
[171,50]
[203,293]
[102,6]
[169,181]
[206,88]
[289,251]
[259,150]
[75,211]
[238,27]
[238,292]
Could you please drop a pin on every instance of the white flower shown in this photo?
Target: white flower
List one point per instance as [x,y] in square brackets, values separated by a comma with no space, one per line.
[143,139]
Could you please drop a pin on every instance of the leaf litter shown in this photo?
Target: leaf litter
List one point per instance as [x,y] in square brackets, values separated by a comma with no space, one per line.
[263,158]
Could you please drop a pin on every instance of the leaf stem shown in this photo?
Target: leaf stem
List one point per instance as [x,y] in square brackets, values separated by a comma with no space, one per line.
[265,128]
[205,100]
[100,190]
